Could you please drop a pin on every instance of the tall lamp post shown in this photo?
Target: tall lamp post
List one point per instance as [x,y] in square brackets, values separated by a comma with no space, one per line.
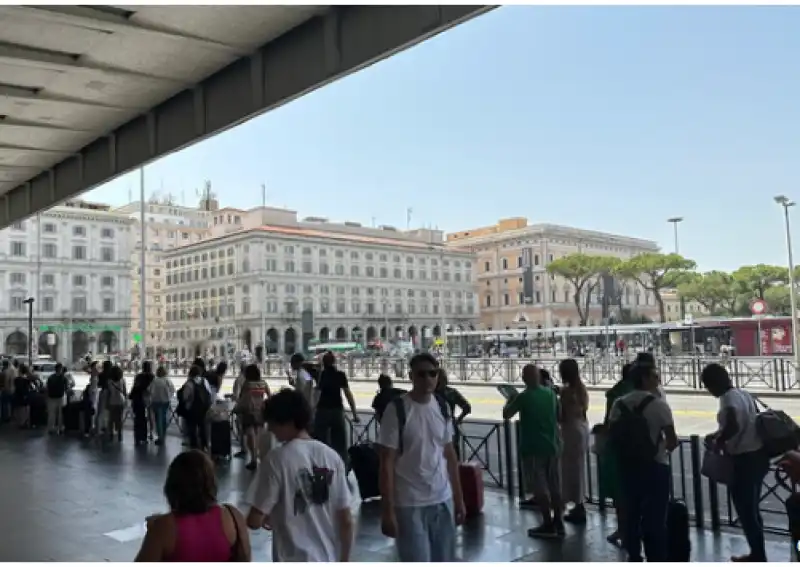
[785,202]
[675,221]
[29,303]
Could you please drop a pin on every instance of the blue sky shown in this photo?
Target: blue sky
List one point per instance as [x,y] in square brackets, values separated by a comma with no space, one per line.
[606,118]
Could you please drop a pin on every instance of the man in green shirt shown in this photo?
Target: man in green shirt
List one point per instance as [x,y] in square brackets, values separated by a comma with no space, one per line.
[539,449]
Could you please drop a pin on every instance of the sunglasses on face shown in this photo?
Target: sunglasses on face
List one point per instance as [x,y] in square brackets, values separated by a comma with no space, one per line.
[427,373]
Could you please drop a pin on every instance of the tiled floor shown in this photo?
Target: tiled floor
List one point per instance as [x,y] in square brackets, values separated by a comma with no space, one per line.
[71,500]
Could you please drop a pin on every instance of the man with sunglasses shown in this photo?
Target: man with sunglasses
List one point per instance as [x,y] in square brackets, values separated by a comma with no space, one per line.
[420,488]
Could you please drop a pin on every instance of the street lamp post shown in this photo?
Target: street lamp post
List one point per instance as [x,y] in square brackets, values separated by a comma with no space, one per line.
[29,303]
[785,202]
[675,222]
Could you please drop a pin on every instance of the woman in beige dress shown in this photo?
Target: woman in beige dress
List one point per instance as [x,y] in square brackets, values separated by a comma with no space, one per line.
[575,435]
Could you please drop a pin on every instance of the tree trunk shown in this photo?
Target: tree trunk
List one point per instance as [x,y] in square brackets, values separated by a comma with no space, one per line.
[660,301]
[581,314]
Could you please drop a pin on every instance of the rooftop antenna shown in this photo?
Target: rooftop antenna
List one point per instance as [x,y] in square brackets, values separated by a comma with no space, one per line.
[409,212]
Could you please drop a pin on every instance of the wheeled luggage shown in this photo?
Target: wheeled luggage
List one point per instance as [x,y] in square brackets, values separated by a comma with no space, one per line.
[678,544]
[220,439]
[71,413]
[471,476]
[365,463]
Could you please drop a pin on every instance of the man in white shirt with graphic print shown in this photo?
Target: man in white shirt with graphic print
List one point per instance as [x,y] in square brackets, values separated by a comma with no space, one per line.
[301,492]
[421,493]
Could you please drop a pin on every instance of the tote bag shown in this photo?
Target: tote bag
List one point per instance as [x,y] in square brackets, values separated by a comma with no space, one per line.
[717,467]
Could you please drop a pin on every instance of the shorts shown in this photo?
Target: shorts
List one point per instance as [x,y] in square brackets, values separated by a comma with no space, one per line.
[250,420]
[542,476]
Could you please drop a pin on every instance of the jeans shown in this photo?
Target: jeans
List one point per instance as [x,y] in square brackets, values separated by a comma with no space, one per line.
[160,410]
[329,427]
[749,470]
[54,415]
[198,438]
[426,533]
[646,499]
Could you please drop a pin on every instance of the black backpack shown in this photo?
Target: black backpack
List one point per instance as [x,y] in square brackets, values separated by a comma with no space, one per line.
[201,400]
[630,437]
[400,408]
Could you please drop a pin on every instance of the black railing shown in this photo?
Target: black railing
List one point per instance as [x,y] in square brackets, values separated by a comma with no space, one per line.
[492,444]
[778,374]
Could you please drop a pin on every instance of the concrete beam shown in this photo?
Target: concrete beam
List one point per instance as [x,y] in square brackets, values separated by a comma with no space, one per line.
[325,48]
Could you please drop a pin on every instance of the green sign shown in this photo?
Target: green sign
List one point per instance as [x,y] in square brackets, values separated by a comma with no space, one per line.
[137,338]
[85,327]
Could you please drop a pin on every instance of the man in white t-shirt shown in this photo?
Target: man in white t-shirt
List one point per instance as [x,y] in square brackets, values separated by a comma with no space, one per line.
[420,488]
[645,483]
[300,492]
[737,436]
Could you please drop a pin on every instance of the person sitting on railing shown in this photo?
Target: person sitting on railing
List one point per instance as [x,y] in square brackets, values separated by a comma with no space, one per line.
[385,395]
[539,449]
[738,437]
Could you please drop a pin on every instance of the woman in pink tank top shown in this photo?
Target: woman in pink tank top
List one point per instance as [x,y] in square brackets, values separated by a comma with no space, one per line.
[197,529]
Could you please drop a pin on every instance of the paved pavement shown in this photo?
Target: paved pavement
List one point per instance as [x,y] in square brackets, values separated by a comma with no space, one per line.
[72,500]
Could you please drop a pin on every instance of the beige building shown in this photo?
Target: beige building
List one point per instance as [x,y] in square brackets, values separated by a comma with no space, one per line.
[168,225]
[249,284]
[501,252]
[672,306]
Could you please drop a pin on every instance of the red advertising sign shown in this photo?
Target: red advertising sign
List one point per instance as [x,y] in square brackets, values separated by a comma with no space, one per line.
[776,340]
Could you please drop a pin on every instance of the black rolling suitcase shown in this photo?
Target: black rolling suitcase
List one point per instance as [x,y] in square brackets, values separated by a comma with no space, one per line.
[679,545]
[140,427]
[221,440]
[72,417]
[38,410]
[365,463]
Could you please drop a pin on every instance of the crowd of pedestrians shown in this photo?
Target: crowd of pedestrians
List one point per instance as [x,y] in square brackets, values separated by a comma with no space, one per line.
[295,439]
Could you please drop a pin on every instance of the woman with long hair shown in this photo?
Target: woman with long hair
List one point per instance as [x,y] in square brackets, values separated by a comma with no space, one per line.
[575,435]
[250,409]
[197,528]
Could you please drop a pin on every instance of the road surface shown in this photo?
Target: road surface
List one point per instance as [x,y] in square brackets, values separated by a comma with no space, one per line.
[695,414]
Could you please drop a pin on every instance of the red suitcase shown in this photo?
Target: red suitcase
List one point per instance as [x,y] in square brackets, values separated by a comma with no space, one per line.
[471,475]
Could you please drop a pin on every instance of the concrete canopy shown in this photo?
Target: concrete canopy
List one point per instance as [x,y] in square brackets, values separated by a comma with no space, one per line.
[90,92]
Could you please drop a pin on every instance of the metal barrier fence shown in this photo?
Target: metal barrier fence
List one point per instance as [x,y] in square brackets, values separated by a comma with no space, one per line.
[492,444]
[777,374]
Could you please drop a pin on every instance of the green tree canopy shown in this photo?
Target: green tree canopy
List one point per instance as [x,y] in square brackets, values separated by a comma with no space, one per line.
[756,280]
[583,271]
[655,272]
[715,290]
[778,300]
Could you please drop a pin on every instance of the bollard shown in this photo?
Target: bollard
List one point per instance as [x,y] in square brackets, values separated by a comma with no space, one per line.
[713,505]
[697,481]
[509,448]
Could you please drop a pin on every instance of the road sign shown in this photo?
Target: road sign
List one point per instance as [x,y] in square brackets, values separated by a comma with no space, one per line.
[758,307]
[137,338]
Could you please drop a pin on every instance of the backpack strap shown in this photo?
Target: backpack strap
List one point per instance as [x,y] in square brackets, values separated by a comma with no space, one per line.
[643,405]
[400,408]
[443,406]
